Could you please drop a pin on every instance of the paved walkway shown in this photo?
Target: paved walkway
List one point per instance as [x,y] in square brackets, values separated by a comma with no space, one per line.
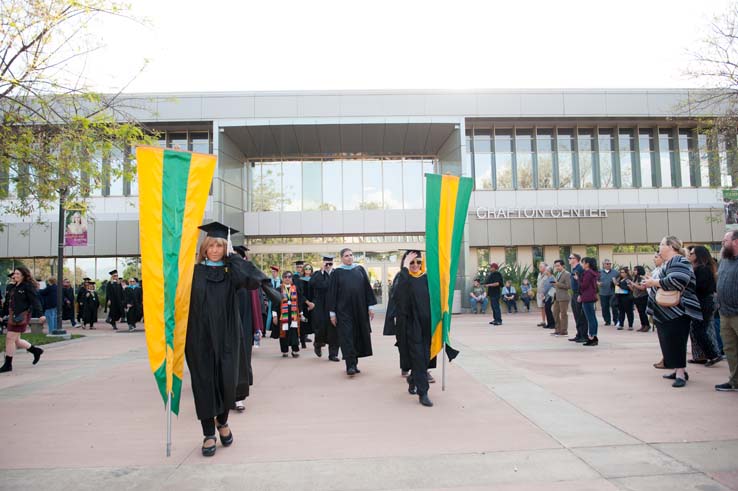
[522,411]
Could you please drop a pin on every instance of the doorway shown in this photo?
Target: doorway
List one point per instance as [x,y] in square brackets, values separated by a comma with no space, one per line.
[381,276]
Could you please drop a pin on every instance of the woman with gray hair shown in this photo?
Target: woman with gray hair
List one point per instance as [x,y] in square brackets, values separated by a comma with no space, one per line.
[673,322]
[540,295]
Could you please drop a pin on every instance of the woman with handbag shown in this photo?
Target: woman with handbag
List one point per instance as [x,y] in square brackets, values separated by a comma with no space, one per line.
[23,303]
[674,306]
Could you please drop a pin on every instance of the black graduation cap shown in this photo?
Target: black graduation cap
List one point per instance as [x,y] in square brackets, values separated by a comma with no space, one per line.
[328,258]
[417,251]
[217,230]
[299,263]
[241,250]
[134,279]
[90,282]
[111,273]
[86,279]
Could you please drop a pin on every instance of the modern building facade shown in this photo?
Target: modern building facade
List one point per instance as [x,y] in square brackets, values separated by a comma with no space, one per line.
[600,172]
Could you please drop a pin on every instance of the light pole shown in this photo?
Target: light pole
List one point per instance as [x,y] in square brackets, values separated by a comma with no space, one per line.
[60,267]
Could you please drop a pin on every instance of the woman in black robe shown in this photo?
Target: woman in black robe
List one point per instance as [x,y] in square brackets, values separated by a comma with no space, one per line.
[214,348]
[350,301]
[90,305]
[134,303]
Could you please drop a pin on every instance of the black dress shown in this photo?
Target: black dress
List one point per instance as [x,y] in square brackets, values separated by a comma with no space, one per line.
[214,349]
[89,306]
[134,298]
[350,296]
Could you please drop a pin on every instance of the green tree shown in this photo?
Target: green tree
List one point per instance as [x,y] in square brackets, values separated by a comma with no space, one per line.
[56,135]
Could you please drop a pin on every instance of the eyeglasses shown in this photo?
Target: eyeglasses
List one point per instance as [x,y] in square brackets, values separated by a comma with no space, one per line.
[571,257]
[287,276]
[417,261]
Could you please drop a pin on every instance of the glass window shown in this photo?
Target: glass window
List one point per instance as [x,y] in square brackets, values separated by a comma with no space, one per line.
[586,158]
[177,141]
[593,251]
[200,142]
[626,152]
[372,197]
[537,253]
[524,158]
[98,182]
[266,194]
[544,150]
[482,170]
[503,159]
[647,156]
[428,168]
[666,152]
[133,183]
[726,179]
[482,259]
[704,156]
[352,186]
[564,252]
[115,163]
[413,184]
[311,185]
[606,147]
[482,140]
[332,189]
[686,156]
[292,185]
[511,255]
[392,179]
[565,144]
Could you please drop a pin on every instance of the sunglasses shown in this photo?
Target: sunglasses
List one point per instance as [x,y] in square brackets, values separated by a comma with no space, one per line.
[329,264]
[287,276]
[417,261]
[571,257]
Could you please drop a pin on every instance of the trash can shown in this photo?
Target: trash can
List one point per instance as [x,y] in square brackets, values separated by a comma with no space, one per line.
[456,305]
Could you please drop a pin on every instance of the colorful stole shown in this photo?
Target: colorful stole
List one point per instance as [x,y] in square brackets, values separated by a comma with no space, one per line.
[289,309]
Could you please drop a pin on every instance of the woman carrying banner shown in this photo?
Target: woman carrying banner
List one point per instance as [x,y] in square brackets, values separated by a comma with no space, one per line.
[214,348]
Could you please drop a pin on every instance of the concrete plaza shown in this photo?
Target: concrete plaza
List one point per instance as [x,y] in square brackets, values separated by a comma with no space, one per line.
[522,410]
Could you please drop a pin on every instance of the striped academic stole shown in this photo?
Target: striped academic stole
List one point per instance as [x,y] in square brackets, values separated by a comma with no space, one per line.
[289,308]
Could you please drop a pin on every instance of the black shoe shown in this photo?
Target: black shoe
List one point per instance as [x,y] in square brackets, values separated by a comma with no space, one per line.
[425,401]
[37,352]
[679,382]
[711,362]
[574,339]
[225,440]
[493,323]
[697,362]
[308,340]
[726,387]
[8,365]
[333,358]
[549,327]
[411,389]
[303,345]
[672,376]
[357,369]
[295,354]
[208,451]
[592,342]
[607,323]
[351,372]
[284,355]
[317,350]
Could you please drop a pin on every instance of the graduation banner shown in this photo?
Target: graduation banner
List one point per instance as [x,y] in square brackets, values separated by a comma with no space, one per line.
[173,192]
[447,202]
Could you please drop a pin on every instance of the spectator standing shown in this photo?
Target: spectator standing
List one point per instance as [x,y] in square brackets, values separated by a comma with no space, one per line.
[607,289]
[588,298]
[576,306]
[702,334]
[540,295]
[509,295]
[548,293]
[625,299]
[727,292]
[48,299]
[478,298]
[640,297]
[493,282]
[561,298]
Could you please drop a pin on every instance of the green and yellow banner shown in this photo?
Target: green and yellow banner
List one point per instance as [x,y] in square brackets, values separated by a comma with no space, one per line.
[173,192]
[446,205]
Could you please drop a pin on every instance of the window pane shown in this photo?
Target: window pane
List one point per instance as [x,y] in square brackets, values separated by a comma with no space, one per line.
[311,185]
[413,184]
[352,184]
[647,150]
[97,183]
[483,170]
[704,156]
[544,148]
[392,179]
[372,197]
[565,143]
[266,194]
[524,158]
[428,168]
[178,141]
[511,255]
[482,141]
[200,142]
[586,158]
[291,185]
[687,155]
[332,190]
[116,167]
[725,176]
[627,157]
[606,147]
[133,185]
[503,159]
[666,150]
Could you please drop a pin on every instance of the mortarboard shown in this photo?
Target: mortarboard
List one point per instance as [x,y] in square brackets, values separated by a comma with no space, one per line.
[328,258]
[241,250]
[217,230]
[111,273]
[86,279]
[299,263]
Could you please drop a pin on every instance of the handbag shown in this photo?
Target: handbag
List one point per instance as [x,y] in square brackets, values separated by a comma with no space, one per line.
[19,318]
[668,298]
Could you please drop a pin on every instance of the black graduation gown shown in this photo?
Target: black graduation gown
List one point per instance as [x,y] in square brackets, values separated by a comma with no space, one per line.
[391,327]
[247,328]
[89,306]
[349,296]
[67,303]
[306,288]
[134,298]
[215,350]
[325,332]
[114,295]
[80,298]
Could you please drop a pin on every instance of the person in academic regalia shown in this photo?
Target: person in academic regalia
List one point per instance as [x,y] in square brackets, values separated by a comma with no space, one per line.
[286,317]
[275,282]
[306,326]
[391,326]
[325,332]
[134,303]
[89,305]
[411,301]
[68,303]
[81,291]
[247,327]
[350,303]
[114,299]
[214,348]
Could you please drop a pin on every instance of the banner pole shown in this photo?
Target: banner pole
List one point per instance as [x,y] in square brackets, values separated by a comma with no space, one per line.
[443,367]
[169,424]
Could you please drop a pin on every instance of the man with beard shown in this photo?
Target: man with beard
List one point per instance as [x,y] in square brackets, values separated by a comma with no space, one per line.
[351,303]
[114,299]
[727,292]
[325,332]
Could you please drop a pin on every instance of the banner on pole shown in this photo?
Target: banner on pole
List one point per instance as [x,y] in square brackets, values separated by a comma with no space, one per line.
[75,227]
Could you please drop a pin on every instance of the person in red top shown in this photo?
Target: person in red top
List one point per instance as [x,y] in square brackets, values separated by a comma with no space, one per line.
[588,297]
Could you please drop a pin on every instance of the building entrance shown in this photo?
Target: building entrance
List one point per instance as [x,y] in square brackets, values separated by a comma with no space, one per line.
[381,276]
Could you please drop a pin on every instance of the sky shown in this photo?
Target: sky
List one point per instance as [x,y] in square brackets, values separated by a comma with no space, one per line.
[400,44]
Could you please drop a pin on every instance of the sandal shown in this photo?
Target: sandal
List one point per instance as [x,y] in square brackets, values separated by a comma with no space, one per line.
[225,440]
[208,451]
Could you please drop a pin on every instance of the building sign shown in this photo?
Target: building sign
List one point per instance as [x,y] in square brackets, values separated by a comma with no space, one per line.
[553,212]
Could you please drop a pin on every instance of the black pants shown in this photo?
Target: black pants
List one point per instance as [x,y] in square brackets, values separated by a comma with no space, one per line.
[641,303]
[290,340]
[625,308]
[548,307]
[673,336]
[208,425]
[579,318]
